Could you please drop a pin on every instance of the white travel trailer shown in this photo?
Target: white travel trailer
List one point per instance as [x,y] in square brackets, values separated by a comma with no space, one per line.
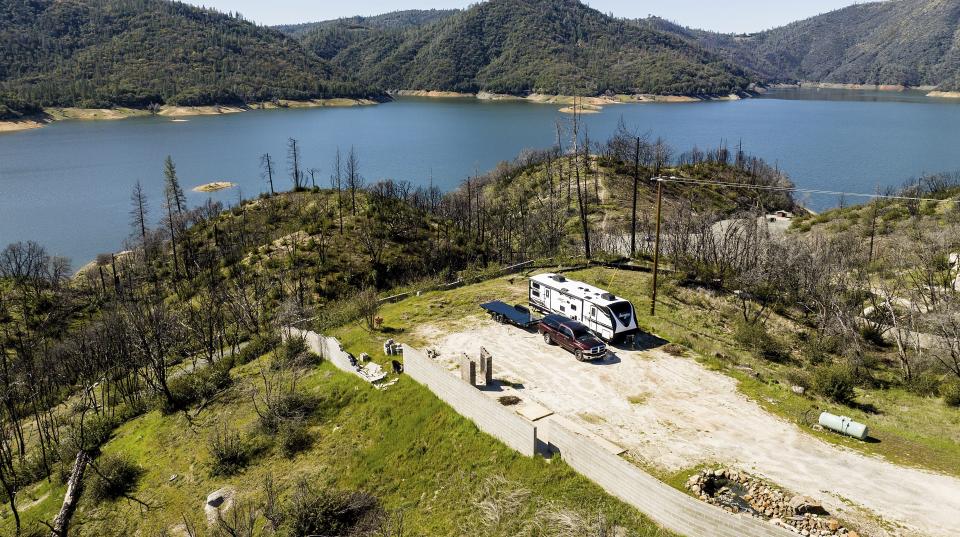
[608,316]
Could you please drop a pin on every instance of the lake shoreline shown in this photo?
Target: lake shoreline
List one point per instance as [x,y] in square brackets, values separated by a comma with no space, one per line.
[51,115]
[570,103]
[930,91]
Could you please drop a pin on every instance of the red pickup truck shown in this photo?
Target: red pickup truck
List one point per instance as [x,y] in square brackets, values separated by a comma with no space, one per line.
[573,336]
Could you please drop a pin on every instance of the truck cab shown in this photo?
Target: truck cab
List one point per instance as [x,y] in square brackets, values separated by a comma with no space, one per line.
[572,336]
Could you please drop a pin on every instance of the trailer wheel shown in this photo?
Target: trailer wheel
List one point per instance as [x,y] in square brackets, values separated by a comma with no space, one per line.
[546,339]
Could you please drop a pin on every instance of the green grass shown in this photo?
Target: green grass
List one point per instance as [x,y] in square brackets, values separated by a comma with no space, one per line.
[403,445]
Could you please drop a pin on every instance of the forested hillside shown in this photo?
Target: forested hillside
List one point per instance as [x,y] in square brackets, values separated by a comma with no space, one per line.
[524,46]
[135,53]
[395,20]
[898,42]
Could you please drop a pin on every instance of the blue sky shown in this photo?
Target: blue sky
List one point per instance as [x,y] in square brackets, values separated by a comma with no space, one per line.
[724,16]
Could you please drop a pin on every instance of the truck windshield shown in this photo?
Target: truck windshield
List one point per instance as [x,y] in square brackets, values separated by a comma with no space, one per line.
[623,312]
[580,332]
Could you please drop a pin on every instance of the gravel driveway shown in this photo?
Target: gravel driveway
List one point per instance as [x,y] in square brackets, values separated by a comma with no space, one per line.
[673,413]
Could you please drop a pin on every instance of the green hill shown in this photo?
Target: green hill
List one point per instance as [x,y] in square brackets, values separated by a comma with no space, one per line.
[396,20]
[524,46]
[135,53]
[899,42]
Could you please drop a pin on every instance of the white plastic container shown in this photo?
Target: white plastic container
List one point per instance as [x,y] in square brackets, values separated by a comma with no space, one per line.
[844,425]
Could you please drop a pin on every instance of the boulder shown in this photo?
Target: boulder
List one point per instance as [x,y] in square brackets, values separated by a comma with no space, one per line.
[803,505]
[218,501]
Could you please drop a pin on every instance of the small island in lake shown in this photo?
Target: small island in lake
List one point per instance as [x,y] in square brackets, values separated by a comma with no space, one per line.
[214,186]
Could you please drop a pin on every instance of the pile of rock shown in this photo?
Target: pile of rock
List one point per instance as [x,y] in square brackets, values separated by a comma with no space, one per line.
[737,492]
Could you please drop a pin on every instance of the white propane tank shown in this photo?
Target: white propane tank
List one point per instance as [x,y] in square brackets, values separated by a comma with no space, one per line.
[844,425]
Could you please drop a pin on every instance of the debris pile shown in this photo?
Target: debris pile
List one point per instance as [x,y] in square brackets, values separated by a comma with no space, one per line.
[392,348]
[737,492]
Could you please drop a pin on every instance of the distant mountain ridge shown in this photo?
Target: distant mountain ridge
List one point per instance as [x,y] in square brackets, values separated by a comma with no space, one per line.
[105,53]
[895,42]
[134,53]
[526,46]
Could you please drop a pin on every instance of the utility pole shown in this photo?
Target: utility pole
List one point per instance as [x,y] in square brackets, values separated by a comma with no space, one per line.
[633,220]
[656,247]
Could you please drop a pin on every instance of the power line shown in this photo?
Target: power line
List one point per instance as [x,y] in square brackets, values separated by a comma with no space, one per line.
[775,188]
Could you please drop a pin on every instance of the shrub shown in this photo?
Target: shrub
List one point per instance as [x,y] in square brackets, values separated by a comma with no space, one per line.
[201,385]
[674,350]
[924,384]
[228,451]
[329,512]
[115,476]
[755,338]
[835,382]
[797,377]
[294,437]
[255,348]
[872,335]
[294,353]
[951,393]
[281,401]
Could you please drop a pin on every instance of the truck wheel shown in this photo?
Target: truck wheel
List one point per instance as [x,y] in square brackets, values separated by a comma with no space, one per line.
[579,355]
[546,339]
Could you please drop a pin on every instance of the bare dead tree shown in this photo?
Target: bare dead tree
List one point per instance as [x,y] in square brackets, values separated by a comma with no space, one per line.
[293,162]
[336,181]
[266,163]
[138,212]
[354,179]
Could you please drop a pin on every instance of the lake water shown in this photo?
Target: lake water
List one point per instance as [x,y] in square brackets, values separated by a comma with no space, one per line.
[68,185]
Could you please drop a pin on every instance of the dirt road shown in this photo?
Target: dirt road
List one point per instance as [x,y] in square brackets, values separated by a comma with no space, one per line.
[673,413]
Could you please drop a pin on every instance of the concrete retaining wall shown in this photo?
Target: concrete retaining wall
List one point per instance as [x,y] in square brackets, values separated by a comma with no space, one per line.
[491,417]
[667,506]
[327,347]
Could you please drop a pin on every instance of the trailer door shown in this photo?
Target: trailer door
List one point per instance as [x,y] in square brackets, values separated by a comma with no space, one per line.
[592,320]
[599,322]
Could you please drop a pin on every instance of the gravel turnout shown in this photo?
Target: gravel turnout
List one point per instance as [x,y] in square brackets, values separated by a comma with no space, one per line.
[672,413]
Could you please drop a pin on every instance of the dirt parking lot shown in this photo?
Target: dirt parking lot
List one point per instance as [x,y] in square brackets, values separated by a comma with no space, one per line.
[673,413]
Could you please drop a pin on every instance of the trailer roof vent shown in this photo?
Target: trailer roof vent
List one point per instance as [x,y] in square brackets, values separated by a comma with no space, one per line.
[557,278]
[608,296]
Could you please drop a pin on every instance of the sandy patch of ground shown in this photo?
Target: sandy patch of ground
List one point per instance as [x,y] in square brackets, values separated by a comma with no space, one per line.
[180,111]
[94,114]
[870,87]
[584,109]
[487,96]
[214,186]
[20,125]
[433,94]
[318,103]
[673,413]
[945,94]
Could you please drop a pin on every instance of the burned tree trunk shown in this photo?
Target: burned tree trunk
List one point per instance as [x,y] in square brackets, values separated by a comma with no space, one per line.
[74,487]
